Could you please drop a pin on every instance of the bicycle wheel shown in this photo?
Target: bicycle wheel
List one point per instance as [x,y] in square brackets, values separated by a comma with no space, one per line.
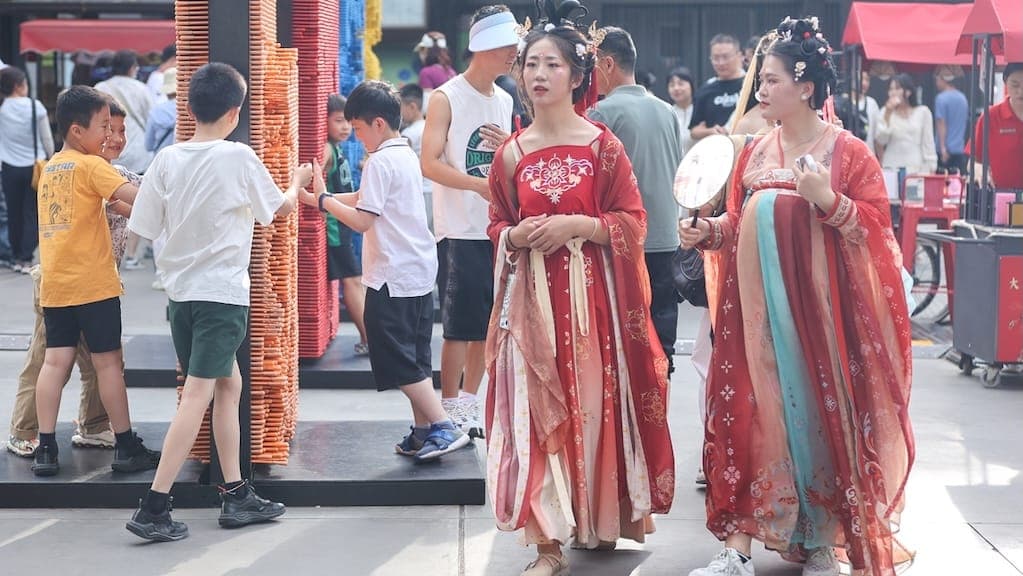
[926,275]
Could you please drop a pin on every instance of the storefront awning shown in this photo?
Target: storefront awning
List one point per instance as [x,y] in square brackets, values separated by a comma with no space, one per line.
[1003,19]
[910,33]
[96,35]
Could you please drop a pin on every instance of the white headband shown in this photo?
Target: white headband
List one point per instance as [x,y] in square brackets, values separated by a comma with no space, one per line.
[494,31]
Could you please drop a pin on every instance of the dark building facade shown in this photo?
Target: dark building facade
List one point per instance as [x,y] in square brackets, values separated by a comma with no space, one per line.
[673,33]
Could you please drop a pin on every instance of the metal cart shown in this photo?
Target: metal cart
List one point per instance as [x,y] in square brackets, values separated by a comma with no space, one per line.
[988,299]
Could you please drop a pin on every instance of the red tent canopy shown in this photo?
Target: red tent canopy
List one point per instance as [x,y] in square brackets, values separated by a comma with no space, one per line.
[911,33]
[1001,18]
[96,35]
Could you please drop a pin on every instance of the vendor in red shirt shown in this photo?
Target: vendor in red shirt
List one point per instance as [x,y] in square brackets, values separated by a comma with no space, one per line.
[1006,134]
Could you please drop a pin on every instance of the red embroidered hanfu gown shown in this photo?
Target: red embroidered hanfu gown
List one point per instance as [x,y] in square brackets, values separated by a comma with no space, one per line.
[578,443]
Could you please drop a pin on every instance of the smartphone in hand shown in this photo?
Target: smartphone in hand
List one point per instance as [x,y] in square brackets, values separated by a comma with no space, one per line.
[806,163]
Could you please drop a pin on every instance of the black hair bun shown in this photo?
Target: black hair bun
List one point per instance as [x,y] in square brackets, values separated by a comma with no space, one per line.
[560,13]
[798,29]
[808,52]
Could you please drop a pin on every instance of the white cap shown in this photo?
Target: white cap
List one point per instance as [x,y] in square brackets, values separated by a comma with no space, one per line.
[429,42]
[494,31]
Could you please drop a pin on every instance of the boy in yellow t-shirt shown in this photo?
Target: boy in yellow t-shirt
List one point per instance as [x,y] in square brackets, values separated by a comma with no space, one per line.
[80,289]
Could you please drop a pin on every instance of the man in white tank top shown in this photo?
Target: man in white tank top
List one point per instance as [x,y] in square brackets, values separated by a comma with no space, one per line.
[469,118]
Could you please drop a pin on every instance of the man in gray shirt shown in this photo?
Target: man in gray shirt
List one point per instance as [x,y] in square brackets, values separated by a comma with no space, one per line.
[649,130]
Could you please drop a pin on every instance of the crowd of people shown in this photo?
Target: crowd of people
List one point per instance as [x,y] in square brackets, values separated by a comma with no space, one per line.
[545,219]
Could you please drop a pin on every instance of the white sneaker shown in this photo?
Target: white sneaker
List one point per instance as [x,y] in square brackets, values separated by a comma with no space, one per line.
[455,410]
[726,563]
[132,264]
[23,448]
[701,478]
[821,562]
[473,423]
[104,439]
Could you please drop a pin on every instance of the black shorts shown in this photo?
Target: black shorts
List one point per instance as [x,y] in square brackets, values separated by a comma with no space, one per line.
[465,280]
[399,331]
[99,322]
[342,263]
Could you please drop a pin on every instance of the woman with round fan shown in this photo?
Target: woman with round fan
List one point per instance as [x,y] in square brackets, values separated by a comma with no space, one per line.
[808,443]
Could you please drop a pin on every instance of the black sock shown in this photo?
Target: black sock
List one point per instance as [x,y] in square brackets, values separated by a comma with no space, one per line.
[48,439]
[125,439]
[231,486]
[156,502]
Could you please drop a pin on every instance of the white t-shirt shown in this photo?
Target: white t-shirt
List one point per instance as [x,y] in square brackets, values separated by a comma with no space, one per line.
[463,214]
[414,133]
[205,196]
[398,249]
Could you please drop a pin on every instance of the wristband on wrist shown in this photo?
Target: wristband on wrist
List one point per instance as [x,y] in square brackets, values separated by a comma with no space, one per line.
[596,222]
[320,199]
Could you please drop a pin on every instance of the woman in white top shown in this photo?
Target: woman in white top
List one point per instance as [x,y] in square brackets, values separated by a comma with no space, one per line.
[680,89]
[906,130]
[18,153]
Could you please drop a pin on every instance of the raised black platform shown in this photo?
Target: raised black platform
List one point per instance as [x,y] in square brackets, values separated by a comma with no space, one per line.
[332,464]
[149,363]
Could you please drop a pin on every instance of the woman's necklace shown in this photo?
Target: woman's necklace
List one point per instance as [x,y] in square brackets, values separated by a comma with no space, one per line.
[812,139]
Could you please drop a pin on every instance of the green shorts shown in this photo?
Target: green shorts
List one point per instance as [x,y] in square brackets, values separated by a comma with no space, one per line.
[207,336]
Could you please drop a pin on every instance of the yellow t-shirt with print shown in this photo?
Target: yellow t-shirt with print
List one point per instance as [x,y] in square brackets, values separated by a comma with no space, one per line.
[75,255]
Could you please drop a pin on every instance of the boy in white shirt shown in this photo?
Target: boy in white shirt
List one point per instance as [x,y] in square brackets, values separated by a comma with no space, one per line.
[204,195]
[399,262]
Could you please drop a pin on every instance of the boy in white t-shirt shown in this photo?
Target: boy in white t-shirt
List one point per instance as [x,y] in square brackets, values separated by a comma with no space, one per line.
[204,195]
[399,263]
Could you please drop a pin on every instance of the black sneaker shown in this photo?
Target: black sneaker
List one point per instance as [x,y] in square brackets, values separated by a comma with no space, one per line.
[46,461]
[242,506]
[156,527]
[134,457]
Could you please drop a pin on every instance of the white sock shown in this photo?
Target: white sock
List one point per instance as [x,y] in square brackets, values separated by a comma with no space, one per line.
[464,394]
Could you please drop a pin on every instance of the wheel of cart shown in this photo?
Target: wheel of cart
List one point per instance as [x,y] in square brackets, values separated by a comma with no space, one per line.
[998,374]
[966,364]
[992,376]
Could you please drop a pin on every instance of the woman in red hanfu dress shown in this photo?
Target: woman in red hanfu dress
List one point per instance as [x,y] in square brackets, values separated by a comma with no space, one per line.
[578,443]
[808,441]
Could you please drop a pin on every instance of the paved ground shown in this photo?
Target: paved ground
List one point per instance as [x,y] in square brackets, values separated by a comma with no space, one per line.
[964,514]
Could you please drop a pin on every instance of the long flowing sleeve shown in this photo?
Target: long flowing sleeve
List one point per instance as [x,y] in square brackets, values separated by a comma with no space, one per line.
[621,208]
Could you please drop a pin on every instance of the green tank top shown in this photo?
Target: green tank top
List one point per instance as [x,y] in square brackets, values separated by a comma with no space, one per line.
[339,181]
